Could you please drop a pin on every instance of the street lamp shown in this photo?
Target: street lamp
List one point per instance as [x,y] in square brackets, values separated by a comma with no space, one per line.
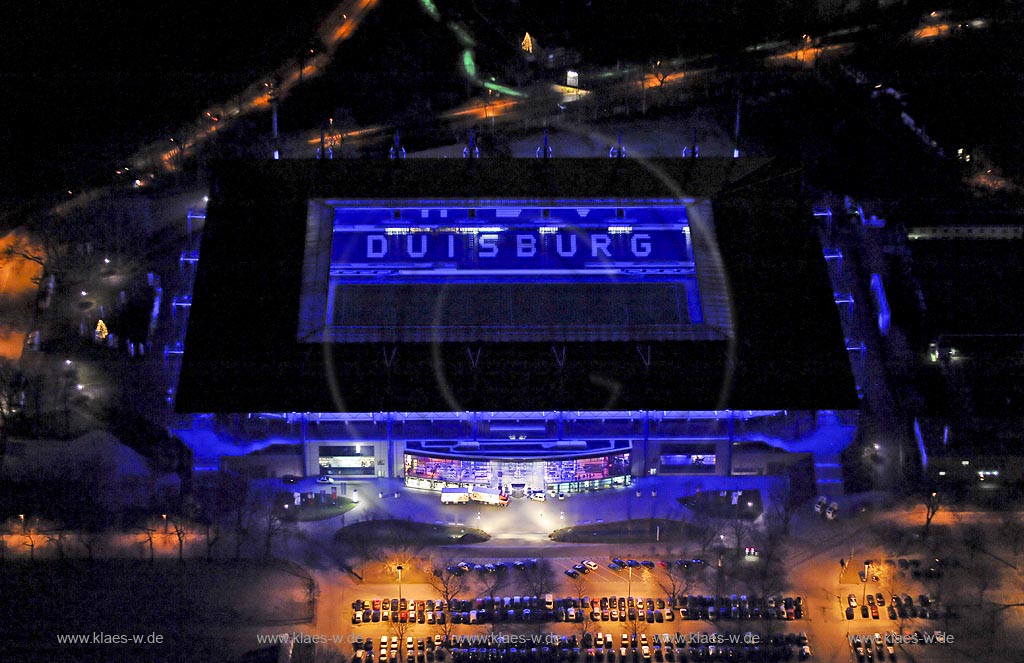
[629,584]
[399,567]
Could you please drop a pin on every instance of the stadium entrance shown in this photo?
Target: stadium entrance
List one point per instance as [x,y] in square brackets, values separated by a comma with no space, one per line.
[519,478]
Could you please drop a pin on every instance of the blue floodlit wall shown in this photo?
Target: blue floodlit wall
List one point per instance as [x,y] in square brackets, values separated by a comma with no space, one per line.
[505,271]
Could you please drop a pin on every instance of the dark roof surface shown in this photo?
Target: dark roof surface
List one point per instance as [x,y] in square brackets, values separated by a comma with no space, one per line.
[242,354]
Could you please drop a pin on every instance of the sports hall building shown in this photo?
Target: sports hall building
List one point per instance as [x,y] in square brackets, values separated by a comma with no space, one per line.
[559,325]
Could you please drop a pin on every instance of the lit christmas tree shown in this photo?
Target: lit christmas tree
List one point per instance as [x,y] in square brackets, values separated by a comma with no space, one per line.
[528,43]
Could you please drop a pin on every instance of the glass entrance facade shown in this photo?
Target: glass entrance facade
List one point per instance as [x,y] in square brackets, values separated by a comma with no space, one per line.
[519,478]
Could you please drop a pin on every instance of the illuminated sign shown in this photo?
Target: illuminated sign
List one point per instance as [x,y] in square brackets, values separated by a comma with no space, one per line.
[549,248]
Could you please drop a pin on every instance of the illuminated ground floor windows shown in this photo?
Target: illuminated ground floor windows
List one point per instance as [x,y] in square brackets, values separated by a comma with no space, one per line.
[517,477]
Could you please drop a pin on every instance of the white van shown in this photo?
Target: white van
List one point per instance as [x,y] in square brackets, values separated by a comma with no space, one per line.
[549,602]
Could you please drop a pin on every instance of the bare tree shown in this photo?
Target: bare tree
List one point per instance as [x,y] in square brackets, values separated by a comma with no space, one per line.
[24,248]
[580,588]
[400,629]
[57,535]
[12,390]
[30,543]
[932,504]
[217,502]
[973,538]
[90,538]
[494,582]
[706,529]
[181,528]
[675,580]
[1011,530]
[635,623]
[269,516]
[538,580]
[985,575]
[29,530]
[148,532]
[447,581]
[783,502]
[740,529]
[242,516]
[769,570]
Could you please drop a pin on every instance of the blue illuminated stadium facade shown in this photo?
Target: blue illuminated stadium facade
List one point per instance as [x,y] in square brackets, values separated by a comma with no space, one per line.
[528,325]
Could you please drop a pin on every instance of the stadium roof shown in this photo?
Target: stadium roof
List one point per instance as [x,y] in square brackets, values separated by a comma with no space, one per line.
[242,353]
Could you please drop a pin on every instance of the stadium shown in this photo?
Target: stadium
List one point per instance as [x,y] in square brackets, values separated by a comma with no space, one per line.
[532,326]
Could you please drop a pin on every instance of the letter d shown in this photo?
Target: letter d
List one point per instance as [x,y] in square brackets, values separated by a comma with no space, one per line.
[376,246]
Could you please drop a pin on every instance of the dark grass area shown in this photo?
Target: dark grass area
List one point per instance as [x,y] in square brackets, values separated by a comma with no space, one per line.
[41,599]
[310,512]
[647,530]
[407,532]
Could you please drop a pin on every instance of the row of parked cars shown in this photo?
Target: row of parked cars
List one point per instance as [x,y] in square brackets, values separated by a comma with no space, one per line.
[547,608]
[629,608]
[590,648]
[618,564]
[899,606]
[871,647]
[741,607]
[431,611]
[464,567]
